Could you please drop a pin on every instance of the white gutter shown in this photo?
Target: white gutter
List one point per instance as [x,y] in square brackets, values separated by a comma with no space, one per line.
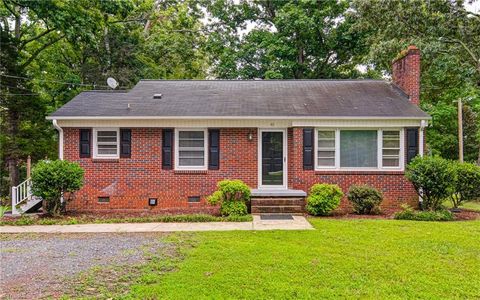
[232,118]
[60,138]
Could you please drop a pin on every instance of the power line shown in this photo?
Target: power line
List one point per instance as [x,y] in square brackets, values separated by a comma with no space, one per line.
[29,94]
[14,87]
[56,81]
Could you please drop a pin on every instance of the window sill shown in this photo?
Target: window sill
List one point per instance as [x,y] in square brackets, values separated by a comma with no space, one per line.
[359,172]
[106,160]
[190,171]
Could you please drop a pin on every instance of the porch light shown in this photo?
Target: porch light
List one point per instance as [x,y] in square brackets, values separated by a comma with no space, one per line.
[250,136]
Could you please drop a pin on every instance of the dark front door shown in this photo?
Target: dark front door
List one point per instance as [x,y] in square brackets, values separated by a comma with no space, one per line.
[272,158]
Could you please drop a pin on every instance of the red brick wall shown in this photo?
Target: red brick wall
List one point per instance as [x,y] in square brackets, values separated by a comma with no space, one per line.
[406,73]
[129,182]
[394,186]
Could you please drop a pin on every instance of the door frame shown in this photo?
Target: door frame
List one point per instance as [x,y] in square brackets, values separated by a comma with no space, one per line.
[285,158]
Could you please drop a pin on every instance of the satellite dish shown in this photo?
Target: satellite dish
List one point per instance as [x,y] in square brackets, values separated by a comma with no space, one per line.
[112,82]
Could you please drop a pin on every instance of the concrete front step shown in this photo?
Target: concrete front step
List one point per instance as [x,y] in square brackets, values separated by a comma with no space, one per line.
[278,202]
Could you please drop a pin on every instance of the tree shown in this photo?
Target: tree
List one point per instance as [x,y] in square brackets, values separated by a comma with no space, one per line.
[287,39]
[447,34]
[52,50]
[27,29]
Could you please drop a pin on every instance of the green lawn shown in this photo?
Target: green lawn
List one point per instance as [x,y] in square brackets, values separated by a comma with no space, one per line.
[341,259]
[471,205]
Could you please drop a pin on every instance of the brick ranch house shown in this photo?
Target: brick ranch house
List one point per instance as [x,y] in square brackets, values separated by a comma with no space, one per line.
[164,145]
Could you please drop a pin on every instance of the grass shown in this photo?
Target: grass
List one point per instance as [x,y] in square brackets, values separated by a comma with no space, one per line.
[89,219]
[375,259]
[470,205]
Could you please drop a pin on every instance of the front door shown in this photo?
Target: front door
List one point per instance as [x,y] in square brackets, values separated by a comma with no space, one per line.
[273,159]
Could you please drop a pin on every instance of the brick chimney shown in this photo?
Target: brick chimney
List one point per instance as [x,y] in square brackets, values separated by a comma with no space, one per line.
[406,73]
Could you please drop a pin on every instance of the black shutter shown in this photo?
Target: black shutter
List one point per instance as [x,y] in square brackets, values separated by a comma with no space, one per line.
[213,149]
[167,149]
[308,148]
[412,143]
[125,143]
[85,142]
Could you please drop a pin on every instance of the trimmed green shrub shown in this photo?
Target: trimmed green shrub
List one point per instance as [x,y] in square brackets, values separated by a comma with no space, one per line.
[52,179]
[432,177]
[323,198]
[233,208]
[465,182]
[232,196]
[408,213]
[365,199]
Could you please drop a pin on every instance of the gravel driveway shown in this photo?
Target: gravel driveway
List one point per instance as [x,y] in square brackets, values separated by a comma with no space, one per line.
[36,265]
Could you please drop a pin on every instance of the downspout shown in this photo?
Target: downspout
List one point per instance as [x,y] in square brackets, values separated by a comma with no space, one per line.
[421,137]
[60,138]
[60,145]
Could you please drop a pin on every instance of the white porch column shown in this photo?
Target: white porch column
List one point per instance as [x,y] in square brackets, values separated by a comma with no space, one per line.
[421,137]
[60,139]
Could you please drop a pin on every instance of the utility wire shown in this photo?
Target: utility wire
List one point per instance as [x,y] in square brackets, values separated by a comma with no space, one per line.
[14,87]
[56,81]
[31,94]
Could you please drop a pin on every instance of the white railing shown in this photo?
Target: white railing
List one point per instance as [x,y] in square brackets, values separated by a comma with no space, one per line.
[21,192]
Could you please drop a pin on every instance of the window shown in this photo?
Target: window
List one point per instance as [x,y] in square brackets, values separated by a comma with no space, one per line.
[363,149]
[191,146]
[193,199]
[358,149]
[391,148]
[326,148]
[103,199]
[106,143]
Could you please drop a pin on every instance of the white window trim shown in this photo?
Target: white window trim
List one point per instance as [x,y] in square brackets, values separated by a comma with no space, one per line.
[401,153]
[379,150]
[95,146]
[205,152]
[337,148]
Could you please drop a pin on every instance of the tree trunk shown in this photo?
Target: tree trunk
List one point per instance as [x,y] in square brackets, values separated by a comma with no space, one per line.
[18,22]
[13,173]
[300,60]
[12,157]
[106,41]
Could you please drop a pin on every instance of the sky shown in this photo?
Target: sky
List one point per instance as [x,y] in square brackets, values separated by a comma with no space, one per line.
[474,6]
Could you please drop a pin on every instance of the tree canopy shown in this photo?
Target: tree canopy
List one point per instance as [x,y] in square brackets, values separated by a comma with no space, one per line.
[52,50]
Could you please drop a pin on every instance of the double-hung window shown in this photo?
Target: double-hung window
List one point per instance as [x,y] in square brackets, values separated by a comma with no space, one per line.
[390,148]
[106,143]
[326,146]
[358,149]
[191,149]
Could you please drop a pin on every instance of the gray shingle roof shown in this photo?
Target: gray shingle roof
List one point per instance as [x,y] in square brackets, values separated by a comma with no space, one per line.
[256,98]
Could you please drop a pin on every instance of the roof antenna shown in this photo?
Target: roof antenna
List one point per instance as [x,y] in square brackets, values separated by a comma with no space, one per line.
[112,83]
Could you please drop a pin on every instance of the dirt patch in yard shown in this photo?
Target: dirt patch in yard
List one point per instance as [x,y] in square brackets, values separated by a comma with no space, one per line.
[49,266]
[466,215]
